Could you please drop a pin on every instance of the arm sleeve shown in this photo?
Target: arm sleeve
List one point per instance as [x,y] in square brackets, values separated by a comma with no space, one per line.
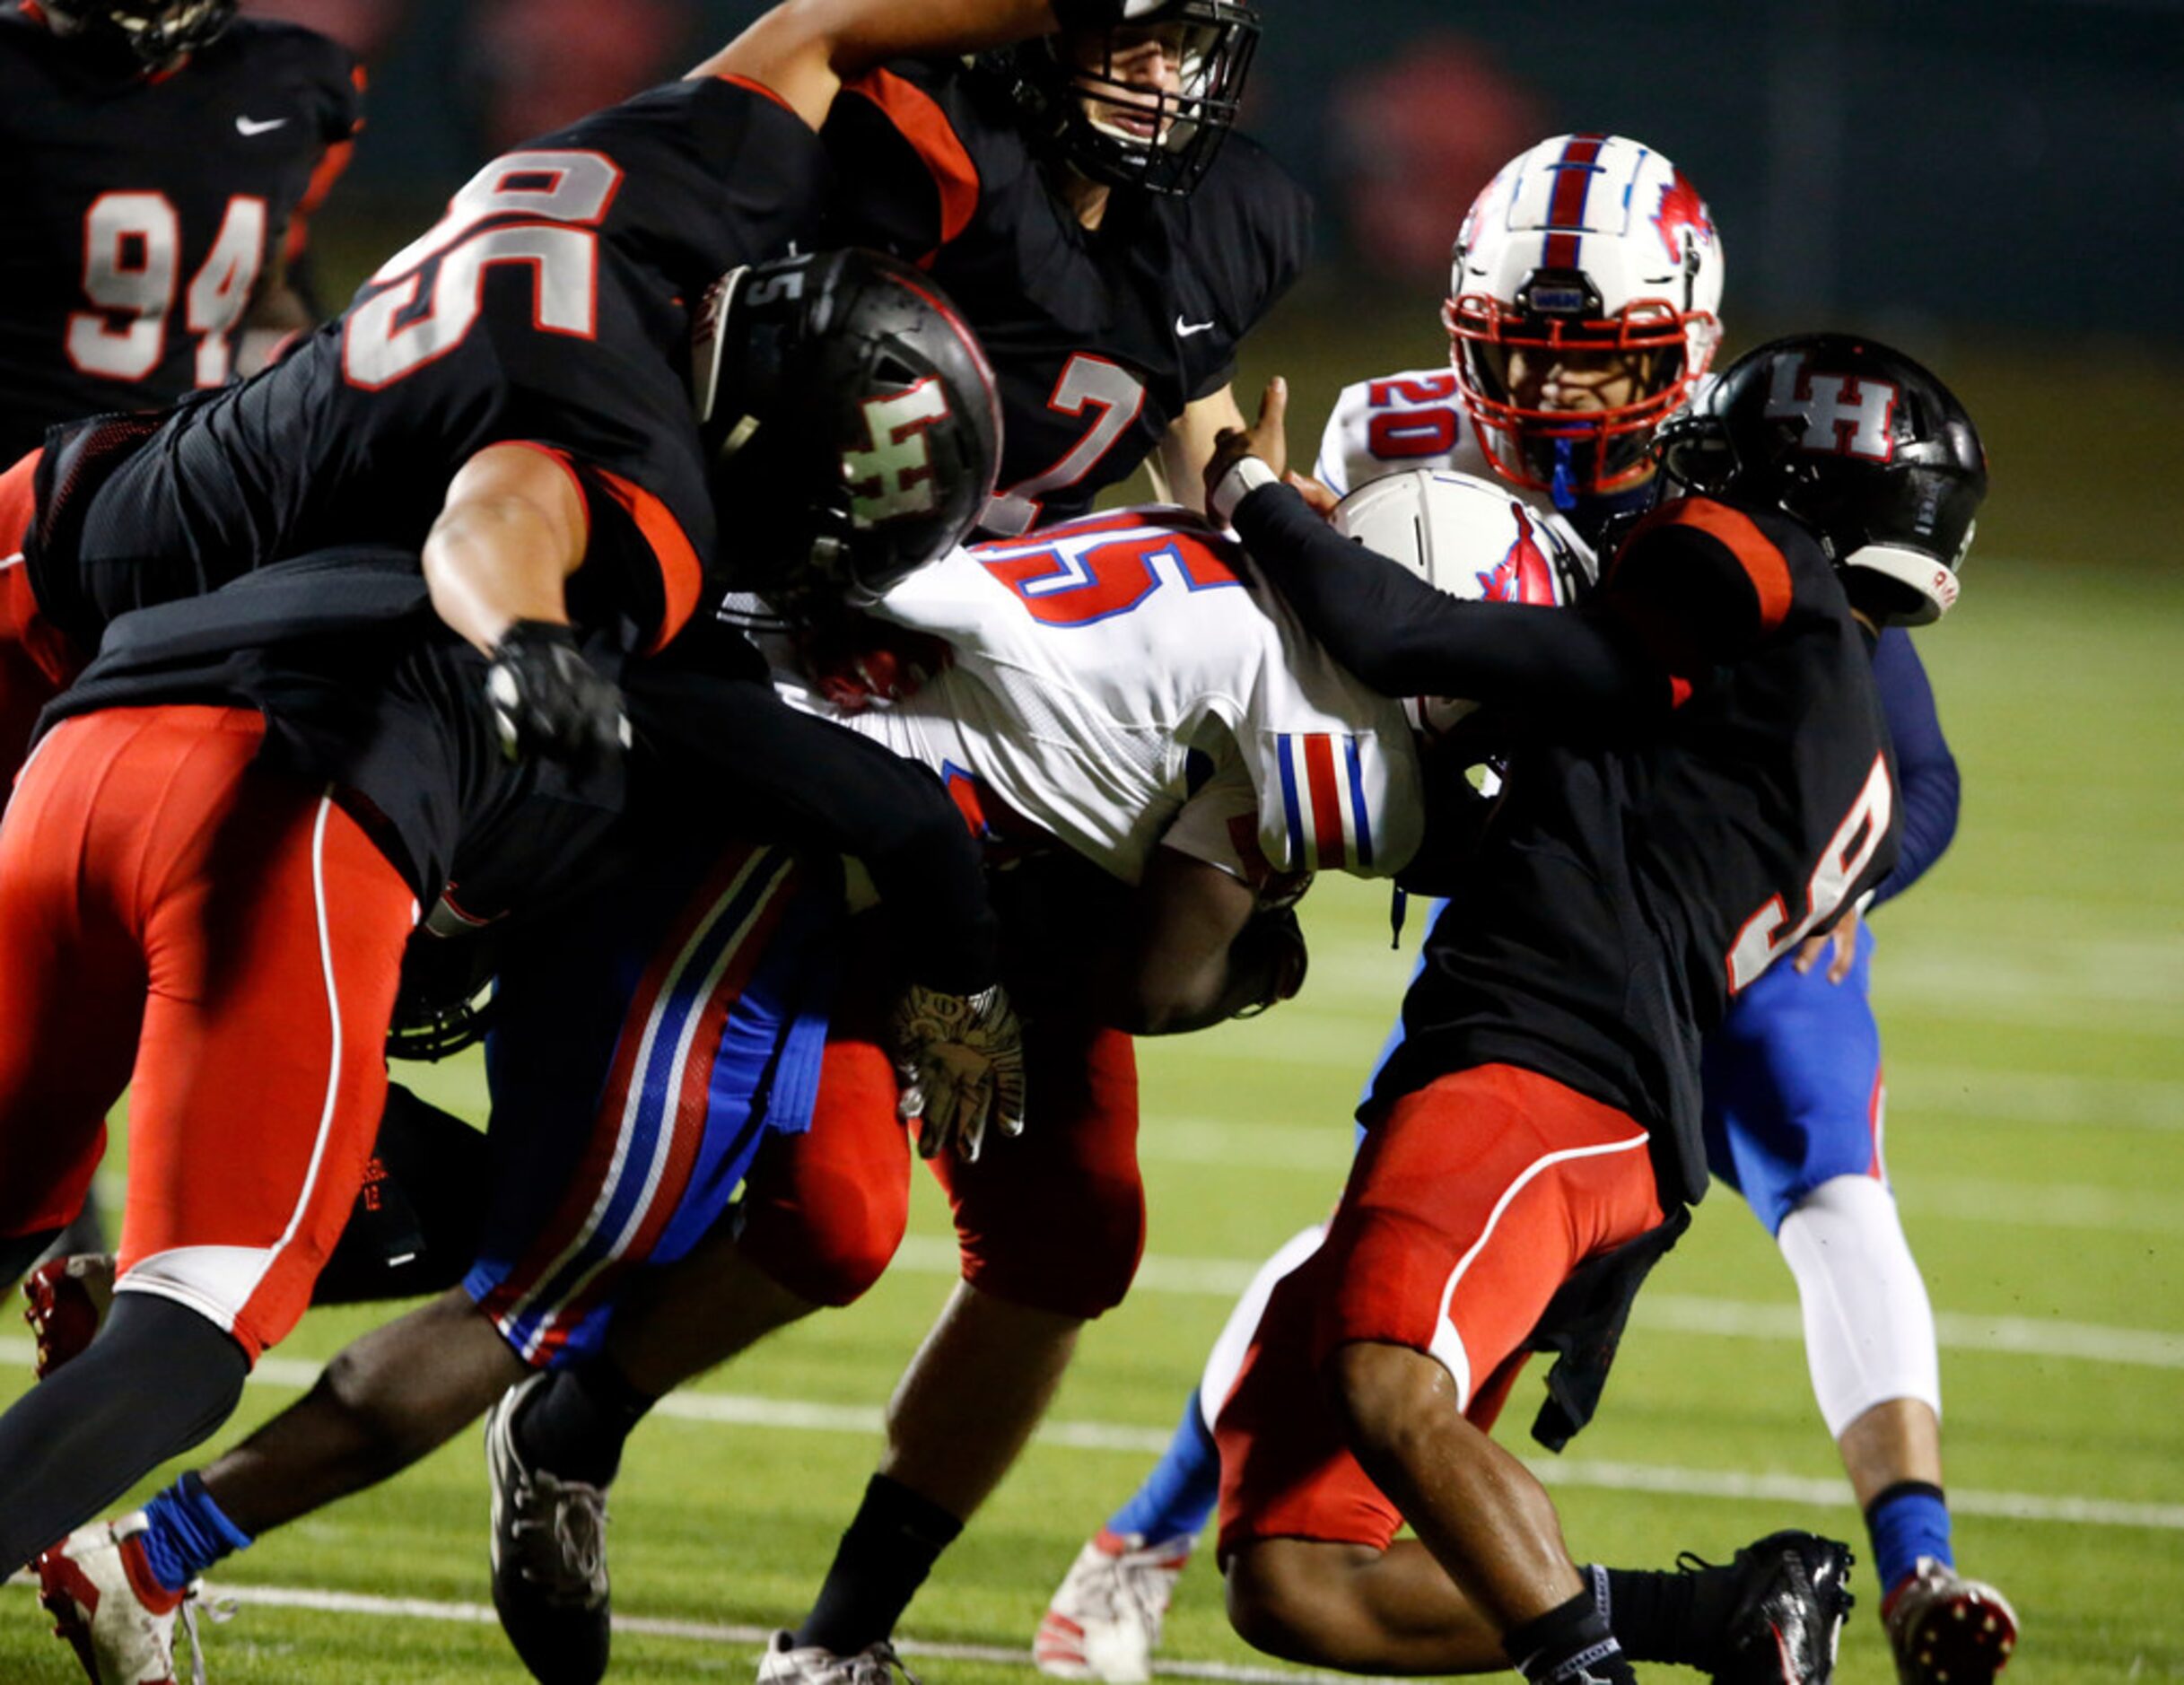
[904,182]
[731,754]
[1403,638]
[1924,768]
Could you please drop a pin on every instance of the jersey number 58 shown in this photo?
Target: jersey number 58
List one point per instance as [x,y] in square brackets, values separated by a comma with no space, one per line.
[1768,932]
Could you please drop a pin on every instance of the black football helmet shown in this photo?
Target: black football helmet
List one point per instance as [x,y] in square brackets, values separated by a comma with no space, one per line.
[1859,442]
[1081,88]
[154,32]
[850,422]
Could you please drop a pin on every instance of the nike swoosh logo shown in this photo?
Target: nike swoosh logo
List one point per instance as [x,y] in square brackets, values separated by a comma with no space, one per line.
[256,125]
[1184,329]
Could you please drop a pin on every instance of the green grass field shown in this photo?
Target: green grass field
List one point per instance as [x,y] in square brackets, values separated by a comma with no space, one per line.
[2033,995]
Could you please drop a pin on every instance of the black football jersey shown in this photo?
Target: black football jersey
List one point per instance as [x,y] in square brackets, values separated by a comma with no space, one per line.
[143,210]
[1098,337]
[1627,890]
[549,306]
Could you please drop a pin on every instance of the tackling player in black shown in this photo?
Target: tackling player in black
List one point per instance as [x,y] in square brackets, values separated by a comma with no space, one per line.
[1700,776]
[1081,199]
[236,812]
[163,155]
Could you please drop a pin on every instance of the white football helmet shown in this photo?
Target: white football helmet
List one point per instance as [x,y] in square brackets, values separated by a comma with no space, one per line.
[1470,538]
[1595,245]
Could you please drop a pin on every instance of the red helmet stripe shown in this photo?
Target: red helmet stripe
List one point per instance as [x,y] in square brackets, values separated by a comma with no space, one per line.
[1574,173]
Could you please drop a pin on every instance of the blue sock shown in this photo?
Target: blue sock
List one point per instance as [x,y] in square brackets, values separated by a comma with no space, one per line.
[188,1533]
[1179,1494]
[1908,1521]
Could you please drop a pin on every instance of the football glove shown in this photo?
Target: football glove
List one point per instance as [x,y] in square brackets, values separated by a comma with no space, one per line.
[548,701]
[959,1060]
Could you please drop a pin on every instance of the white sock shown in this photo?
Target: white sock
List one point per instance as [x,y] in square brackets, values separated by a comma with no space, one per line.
[1868,1324]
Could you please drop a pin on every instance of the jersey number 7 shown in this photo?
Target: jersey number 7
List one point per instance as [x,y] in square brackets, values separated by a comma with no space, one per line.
[543,207]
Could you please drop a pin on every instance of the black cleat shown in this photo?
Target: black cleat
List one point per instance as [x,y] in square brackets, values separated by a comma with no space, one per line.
[549,1557]
[1789,1596]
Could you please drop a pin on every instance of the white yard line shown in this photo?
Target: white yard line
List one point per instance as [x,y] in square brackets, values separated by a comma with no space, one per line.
[807,1416]
[696,1631]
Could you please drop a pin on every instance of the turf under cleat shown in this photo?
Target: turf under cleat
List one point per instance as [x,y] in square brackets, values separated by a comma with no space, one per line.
[66,1300]
[1105,1619]
[788,1663]
[1945,1629]
[1789,1596]
[549,1557]
[98,1589]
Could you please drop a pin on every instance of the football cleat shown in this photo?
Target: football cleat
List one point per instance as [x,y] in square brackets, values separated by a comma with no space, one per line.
[67,1299]
[98,1589]
[549,1557]
[1945,1629]
[788,1663]
[1789,1596]
[1105,1619]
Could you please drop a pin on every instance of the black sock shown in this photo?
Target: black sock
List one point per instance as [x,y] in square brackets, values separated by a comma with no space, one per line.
[1569,1644]
[574,1427]
[883,1558]
[157,1380]
[1663,1617]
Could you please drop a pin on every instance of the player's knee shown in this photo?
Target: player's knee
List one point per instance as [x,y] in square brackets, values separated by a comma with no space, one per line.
[836,1243]
[1279,1597]
[1078,1261]
[1382,1395]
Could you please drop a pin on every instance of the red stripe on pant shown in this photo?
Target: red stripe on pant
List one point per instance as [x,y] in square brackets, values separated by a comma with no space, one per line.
[224,943]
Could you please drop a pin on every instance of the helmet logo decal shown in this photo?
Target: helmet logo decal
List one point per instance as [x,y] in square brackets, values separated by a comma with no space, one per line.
[1522,574]
[893,475]
[1681,208]
[1573,177]
[1841,413]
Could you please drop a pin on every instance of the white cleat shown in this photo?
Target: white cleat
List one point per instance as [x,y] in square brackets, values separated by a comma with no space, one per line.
[98,1589]
[1945,1629]
[1104,1620]
[786,1663]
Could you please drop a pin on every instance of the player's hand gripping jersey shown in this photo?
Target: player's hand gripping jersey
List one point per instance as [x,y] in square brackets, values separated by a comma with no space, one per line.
[1116,681]
[143,210]
[1098,337]
[550,304]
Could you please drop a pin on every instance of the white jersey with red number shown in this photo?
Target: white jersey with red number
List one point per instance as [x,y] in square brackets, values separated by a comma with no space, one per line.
[1117,682]
[1415,420]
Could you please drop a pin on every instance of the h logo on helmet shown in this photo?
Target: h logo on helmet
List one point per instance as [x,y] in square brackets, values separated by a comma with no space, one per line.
[893,475]
[1841,413]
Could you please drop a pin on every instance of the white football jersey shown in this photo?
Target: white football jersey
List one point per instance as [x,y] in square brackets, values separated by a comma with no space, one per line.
[1118,681]
[1415,420]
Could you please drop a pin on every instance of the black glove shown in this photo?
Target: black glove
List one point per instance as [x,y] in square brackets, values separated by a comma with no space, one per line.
[548,700]
[958,1058]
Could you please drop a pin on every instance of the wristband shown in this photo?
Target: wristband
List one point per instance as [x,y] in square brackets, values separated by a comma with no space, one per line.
[1245,477]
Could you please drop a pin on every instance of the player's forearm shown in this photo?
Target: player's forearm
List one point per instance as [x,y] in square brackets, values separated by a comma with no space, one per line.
[1403,638]
[805,49]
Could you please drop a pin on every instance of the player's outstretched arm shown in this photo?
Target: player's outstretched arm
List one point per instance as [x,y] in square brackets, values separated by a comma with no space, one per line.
[803,49]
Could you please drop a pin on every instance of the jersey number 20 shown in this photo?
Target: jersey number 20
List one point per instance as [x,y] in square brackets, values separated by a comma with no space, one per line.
[559,198]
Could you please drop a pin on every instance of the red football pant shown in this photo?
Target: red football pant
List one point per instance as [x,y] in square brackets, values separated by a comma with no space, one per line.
[1053,1219]
[224,943]
[1467,1207]
[35,660]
